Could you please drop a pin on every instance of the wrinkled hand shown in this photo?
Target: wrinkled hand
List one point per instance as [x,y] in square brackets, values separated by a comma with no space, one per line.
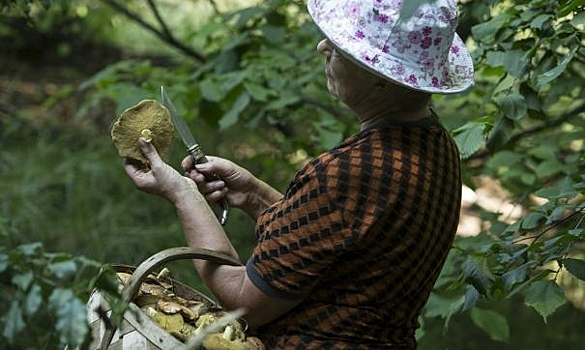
[235,183]
[160,179]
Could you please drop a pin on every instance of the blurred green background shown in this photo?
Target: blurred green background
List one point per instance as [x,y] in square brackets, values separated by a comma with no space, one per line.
[68,69]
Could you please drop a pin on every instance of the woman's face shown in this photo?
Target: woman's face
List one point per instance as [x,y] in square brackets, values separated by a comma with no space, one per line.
[345,80]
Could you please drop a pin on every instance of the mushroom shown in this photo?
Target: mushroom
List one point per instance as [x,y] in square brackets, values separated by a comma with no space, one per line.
[148,119]
[168,306]
[205,320]
[192,311]
[171,323]
[152,289]
[219,341]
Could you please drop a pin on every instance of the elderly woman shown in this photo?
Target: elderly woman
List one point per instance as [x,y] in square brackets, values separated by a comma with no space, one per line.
[348,255]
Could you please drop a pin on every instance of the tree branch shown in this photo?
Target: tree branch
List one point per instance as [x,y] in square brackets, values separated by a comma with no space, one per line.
[214,5]
[164,35]
[159,18]
[534,130]
[547,124]
[548,228]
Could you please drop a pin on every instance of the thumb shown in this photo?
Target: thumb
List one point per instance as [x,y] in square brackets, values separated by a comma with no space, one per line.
[218,166]
[149,151]
[213,165]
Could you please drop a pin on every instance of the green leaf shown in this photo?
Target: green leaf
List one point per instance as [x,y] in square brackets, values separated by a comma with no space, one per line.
[516,63]
[245,15]
[63,269]
[493,323]
[273,34]
[329,138]
[500,134]
[505,159]
[545,296]
[543,152]
[495,58]
[23,280]
[477,273]
[515,276]
[258,92]
[3,262]
[226,61]
[242,39]
[532,220]
[210,90]
[285,99]
[106,280]
[554,73]
[528,179]
[13,322]
[539,21]
[563,189]
[471,297]
[470,138]
[569,7]
[513,105]
[71,316]
[231,117]
[31,249]
[578,20]
[33,301]
[481,243]
[443,307]
[555,215]
[576,267]
[549,168]
[486,31]
[576,232]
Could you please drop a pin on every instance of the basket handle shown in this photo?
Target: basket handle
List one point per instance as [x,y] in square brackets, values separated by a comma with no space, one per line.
[156,261]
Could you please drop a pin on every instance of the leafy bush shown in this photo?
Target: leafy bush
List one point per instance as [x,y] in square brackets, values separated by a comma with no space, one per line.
[526,132]
[43,296]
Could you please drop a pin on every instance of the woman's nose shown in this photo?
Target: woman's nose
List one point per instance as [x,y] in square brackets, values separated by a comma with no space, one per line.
[324,47]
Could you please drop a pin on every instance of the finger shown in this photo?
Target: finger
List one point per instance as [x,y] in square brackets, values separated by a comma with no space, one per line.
[187,163]
[212,186]
[216,196]
[130,167]
[212,167]
[139,175]
[195,176]
[221,167]
[149,151]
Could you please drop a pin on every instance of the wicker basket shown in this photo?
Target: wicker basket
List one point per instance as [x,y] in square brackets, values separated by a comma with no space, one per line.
[138,331]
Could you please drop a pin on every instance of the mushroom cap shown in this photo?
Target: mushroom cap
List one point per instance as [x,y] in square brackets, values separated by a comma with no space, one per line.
[216,341]
[131,125]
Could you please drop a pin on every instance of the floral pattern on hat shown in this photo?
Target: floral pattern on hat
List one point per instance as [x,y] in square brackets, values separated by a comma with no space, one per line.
[422,52]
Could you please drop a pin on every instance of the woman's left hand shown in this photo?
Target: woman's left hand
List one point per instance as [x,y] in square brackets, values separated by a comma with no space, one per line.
[160,179]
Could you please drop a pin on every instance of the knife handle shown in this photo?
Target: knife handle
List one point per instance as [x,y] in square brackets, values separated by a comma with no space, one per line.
[199,158]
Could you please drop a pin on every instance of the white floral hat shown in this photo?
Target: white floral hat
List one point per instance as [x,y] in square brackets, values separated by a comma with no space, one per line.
[422,52]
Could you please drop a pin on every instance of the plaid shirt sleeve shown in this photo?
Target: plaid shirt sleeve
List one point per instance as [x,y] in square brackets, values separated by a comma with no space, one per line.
[299,238]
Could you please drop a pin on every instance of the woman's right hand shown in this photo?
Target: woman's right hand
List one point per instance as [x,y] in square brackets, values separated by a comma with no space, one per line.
[236,184]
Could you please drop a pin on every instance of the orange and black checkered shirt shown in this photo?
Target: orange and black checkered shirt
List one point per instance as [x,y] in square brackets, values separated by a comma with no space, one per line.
[361,235]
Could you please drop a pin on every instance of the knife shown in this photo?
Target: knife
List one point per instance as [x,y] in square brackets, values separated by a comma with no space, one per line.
[193,147]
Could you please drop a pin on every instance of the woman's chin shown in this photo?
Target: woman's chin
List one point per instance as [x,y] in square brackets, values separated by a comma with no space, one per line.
[332,90]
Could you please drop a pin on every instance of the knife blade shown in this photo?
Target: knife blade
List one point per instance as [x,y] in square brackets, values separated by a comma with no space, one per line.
[193,147]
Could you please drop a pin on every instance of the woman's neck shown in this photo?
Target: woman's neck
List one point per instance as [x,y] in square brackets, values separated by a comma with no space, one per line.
[389,116]
[381,102]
